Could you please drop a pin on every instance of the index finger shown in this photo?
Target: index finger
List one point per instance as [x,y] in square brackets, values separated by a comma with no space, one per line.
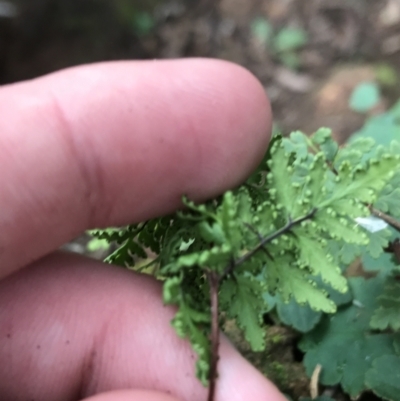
[118,143]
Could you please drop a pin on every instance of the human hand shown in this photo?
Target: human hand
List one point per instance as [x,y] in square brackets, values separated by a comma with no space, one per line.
[107,145]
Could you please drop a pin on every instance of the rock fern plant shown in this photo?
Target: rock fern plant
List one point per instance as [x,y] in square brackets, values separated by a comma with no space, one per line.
[285,236]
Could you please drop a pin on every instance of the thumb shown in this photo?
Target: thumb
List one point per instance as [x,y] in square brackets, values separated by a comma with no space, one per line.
[132,395]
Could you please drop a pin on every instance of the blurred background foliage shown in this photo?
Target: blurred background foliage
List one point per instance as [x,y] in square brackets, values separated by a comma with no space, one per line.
[309,55]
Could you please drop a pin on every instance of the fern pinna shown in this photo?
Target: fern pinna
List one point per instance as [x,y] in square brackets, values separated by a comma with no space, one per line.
[286,231]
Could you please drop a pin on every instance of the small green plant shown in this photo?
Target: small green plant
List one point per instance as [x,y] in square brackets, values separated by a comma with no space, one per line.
[365,97]
[96,244]
[282,241]
[284,44]
[136,15]
[386,75]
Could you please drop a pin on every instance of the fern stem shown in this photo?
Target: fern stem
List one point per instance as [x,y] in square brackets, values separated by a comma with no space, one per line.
[289,225]
[385,217]
[214,281]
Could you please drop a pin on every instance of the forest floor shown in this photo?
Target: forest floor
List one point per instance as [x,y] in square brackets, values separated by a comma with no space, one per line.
[309,55]
[331,46]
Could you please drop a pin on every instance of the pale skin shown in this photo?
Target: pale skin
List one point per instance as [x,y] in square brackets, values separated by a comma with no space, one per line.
[105,145]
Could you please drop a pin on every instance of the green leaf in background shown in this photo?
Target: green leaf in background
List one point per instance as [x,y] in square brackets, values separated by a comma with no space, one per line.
[383,128]
[365,97]
[396,343]
[290,59]
[269,301]
[384,377]
[289,39]
[373,256]
[300,317]
[344,253]
[388,200]
[384,264]
[262,30]
[137,15]
[143,23]
[387,316]
[377,242]
[343,344]
[386,74]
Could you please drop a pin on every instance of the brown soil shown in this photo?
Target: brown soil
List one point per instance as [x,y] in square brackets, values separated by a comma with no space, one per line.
[346,40]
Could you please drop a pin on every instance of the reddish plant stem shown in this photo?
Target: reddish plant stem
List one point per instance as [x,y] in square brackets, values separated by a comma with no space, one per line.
[214,281]
[385,217]
[289,225]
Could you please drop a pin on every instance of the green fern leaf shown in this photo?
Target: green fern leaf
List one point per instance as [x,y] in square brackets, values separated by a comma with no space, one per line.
[283,276]
[388,201]
[216,256]
[190,323]
[364,184]
[211,232]
[350,208]
[357,150]
[124,255]
[322,138]
[340,228]
[229,219]
[315,255]
[344,253]
[264,217]
[244,302]
[297,143]
[280,180]
[387,315]
[288,231]
[318,176]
